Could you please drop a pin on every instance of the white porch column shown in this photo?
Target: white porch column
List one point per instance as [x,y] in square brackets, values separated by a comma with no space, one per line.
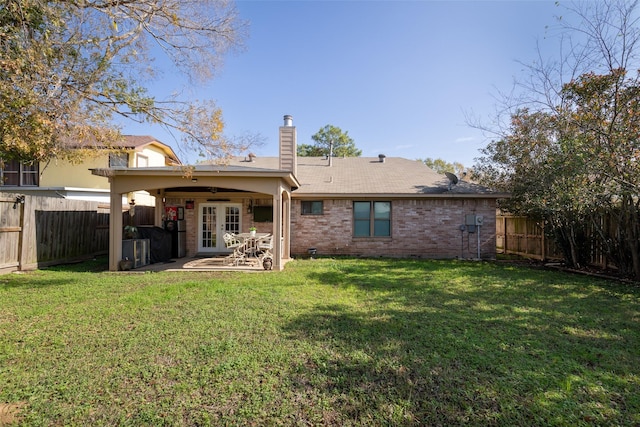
[115,230]
[286,245]
[277,232]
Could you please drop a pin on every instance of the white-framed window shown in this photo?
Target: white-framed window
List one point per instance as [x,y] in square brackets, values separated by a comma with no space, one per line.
[142,161]
[15,173]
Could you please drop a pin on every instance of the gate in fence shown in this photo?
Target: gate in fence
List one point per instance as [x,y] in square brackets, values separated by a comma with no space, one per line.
[11,232]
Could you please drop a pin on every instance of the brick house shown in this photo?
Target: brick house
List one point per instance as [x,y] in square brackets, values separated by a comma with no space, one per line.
[386,206]
[358,206]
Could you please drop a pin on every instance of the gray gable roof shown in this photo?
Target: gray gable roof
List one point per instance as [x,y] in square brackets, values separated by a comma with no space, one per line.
[368,176]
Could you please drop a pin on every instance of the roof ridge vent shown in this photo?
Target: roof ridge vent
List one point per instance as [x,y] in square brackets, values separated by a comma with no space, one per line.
[381,157]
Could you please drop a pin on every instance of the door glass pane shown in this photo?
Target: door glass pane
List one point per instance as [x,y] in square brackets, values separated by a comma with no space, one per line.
[208,238]
[232,219]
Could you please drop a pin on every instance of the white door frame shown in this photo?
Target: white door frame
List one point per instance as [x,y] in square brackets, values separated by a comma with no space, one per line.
[228,218]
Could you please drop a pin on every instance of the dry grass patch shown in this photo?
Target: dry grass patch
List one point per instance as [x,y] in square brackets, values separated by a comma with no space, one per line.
[10,412]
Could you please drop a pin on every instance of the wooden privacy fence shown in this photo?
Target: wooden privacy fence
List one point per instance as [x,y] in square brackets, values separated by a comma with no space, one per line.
[525,237]
[42,231]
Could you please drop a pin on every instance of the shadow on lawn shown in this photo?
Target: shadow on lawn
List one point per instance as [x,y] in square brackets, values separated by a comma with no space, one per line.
[94,265]
[36,280]
[483,345]
[9,281]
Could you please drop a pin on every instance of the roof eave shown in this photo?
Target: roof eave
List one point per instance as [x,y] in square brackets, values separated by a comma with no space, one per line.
[299,195]
[183,170]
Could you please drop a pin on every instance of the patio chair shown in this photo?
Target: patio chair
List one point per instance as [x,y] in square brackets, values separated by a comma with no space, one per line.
[265,245]
[232,242]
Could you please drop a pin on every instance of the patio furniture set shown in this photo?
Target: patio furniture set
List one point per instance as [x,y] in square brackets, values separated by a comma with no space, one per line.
[250,248]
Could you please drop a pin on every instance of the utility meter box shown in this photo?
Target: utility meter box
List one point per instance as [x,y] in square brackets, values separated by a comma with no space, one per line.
[479,219]
[470,222]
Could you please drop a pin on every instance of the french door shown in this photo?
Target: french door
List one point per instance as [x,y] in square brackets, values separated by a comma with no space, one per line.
[214,220]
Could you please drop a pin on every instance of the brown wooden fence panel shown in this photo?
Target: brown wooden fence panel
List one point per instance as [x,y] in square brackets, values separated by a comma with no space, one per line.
[55,230]
[70,234]
[521,236]
[526,237]
[10,233]
[144,215]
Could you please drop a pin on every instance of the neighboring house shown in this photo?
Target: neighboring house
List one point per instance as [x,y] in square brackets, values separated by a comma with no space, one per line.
[61,178]
[382,206]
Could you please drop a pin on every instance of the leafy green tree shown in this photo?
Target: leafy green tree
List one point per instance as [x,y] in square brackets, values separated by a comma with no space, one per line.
[342,144]
[68,68]
[309,150]
[442,166]
[571,153]
[605,112]
[535,164]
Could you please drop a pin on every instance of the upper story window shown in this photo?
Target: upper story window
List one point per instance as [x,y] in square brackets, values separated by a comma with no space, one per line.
[118,159]
[371,219]
[15,173]
[142,161]
[312,207]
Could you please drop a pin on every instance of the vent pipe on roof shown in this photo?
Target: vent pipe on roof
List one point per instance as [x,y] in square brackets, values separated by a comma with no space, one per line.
[381,157]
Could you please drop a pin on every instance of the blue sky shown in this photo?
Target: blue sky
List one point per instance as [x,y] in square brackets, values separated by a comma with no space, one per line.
[398,76]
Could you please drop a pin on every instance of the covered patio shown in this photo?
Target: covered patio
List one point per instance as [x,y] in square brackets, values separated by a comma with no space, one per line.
[198,263]
[211,200]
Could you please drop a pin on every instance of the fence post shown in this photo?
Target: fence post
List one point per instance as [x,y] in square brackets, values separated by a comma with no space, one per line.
[21,255]
[544,243]
[505,245]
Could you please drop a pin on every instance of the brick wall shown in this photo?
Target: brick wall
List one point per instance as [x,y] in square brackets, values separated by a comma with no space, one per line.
[426,228]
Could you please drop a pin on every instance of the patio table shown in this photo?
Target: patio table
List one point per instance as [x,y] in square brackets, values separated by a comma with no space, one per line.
[249,250]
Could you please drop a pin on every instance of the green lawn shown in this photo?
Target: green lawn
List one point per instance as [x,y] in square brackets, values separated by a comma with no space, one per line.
[325,342]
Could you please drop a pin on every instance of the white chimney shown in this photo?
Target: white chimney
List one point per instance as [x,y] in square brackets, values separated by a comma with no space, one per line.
[288,146]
